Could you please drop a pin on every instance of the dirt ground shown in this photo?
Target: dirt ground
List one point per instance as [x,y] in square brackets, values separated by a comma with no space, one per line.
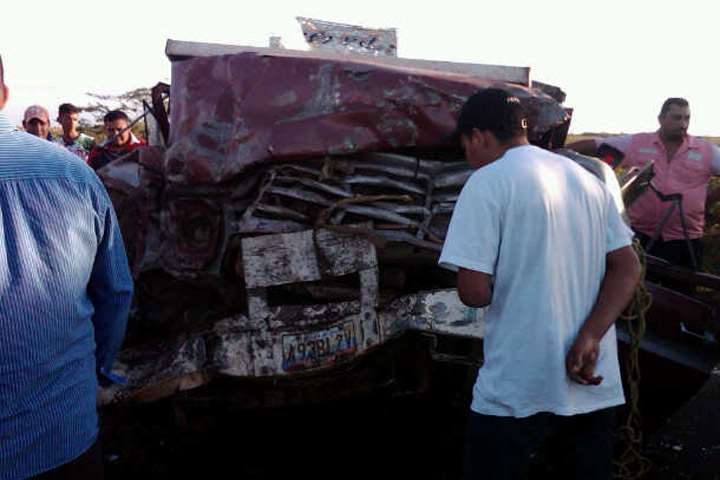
[687,446]
[390,433]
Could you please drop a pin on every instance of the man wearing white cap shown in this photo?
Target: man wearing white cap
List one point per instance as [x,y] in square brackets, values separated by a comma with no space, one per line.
[36,121]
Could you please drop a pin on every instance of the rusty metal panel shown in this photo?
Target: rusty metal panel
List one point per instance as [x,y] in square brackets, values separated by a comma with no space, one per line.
[270,260]
[258,307]
[231,112]
[240,342]
[369,289]
[177,50]
[278,259]
[159,370]
[240,347]
[306,256]
[438,311]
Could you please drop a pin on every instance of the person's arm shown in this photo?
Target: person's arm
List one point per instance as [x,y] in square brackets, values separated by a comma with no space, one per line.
[622,274]
[584,147]
[110,290]
[474,288]
[473,237]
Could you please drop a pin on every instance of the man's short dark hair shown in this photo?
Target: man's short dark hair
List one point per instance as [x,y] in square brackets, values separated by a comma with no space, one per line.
[495,110]
[2,73]
[67,109]
[116,115]
[680,102]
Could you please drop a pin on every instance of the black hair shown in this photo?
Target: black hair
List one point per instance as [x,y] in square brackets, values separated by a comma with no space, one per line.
[494,110]
[116,115]
[2,73]
[67,108]
[680,102]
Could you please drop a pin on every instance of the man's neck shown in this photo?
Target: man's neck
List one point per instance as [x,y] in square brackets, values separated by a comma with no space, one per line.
[671,144]
[71,135]
[512,143]
[671,140]
[116,146]
[501,149]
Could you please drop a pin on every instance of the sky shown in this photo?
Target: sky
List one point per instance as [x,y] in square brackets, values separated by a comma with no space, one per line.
[616,60]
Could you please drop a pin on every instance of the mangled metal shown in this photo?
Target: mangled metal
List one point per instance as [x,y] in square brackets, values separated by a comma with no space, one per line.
[233,112]
[294,221]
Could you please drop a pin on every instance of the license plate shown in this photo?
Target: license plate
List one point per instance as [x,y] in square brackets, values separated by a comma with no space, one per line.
[309,350]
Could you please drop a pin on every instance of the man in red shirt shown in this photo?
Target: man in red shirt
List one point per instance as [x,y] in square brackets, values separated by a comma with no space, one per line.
[119,140]
[682,164]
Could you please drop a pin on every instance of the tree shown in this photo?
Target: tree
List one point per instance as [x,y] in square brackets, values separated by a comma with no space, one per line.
[131,102]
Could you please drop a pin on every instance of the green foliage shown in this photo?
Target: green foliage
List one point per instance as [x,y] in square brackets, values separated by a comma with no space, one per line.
[130,102]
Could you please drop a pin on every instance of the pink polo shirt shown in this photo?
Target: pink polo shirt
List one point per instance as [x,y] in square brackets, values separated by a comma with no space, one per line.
[694,162]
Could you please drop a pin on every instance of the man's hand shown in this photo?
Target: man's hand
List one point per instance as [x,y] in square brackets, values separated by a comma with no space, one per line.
[622,274]
[581,360]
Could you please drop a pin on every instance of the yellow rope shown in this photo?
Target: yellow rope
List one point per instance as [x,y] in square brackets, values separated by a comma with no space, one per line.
[631,465]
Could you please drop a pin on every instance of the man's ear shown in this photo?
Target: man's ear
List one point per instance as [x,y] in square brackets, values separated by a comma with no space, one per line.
[476,136]
[482,138]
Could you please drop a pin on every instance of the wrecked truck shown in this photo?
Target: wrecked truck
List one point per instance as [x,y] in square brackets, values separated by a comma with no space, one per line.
[287,222]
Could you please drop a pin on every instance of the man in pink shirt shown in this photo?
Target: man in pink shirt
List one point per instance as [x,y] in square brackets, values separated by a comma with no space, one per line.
[682,164]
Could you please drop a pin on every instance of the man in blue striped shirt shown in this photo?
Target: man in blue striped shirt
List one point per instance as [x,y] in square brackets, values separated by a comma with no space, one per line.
[65,291]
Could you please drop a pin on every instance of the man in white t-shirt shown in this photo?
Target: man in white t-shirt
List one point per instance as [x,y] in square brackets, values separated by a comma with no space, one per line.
[540,241]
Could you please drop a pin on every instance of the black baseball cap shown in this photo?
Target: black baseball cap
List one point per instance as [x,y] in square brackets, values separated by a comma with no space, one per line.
[491,109]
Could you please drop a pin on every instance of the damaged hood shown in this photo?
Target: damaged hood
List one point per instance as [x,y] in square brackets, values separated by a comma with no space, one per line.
[231,112]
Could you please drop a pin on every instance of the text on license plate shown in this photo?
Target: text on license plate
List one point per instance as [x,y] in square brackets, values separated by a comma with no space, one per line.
[313,349]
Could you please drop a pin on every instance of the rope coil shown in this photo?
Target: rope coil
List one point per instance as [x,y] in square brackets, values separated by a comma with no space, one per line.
[631,465]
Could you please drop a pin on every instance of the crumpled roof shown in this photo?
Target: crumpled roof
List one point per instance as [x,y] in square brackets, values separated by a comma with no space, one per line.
[231,112]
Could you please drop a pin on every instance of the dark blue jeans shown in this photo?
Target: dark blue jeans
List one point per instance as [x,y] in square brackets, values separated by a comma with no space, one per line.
[577,447]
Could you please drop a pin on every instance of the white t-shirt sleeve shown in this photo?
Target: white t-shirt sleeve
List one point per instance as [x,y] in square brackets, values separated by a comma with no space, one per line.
[618,234]
[473,237]
[613,187]
[715,161]
[621,142]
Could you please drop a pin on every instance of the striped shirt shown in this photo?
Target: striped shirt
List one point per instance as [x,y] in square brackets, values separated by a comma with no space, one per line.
[65,291]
